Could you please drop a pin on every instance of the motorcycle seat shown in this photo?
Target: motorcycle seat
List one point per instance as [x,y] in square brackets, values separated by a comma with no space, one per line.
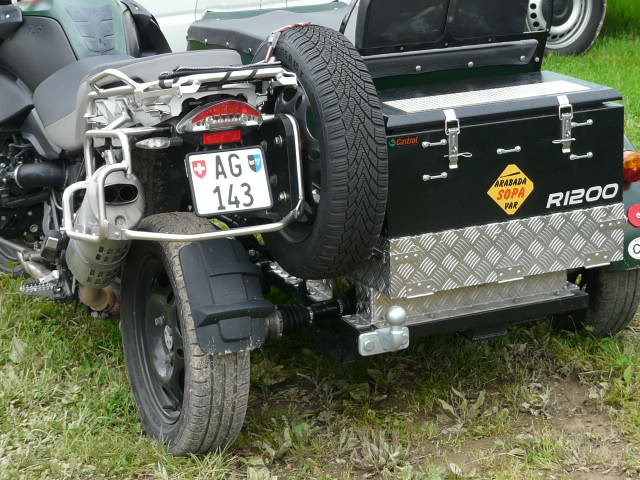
[61,99]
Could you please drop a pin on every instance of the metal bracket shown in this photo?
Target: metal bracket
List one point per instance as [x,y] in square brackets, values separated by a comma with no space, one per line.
[393,338]
[452,131]
[443,175]
[506,151]
[586,156]
[441,143]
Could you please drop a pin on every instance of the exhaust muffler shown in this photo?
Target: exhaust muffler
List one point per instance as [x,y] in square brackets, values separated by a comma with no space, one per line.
[96,264]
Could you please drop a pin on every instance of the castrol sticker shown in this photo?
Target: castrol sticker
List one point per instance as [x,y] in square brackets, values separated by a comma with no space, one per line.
[511,189]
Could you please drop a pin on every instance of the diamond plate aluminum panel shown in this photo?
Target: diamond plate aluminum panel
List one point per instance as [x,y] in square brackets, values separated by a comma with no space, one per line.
[372,305]
[480,97]
[425,264]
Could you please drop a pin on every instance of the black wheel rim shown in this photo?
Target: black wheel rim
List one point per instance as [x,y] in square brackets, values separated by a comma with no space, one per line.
[159,339]
[296,102]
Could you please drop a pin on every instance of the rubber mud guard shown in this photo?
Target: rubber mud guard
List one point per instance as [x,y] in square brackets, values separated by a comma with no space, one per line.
[225,293]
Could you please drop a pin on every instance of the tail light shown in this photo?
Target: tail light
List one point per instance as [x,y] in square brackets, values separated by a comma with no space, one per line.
[631,167]
[219,116]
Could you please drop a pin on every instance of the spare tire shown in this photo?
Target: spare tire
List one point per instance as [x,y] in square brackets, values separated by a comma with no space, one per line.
[344,155]
[575,25]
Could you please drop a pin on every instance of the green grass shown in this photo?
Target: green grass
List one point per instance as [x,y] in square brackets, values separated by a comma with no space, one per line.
[535,405]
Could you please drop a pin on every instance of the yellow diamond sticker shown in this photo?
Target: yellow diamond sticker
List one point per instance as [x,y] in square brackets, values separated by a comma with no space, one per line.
[511,189]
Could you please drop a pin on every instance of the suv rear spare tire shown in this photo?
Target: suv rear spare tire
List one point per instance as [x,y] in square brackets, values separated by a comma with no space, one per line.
[344,155]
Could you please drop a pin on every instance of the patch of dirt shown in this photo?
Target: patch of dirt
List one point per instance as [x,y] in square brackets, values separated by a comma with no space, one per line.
[597,476]
[573,411]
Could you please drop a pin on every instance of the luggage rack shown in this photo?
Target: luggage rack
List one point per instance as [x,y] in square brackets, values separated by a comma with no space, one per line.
[145,91]
[106,229]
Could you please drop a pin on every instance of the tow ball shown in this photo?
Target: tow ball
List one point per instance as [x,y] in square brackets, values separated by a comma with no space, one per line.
[393,338]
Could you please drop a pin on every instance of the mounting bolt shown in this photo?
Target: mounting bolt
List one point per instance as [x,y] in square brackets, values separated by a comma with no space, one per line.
[471,64]
[418,68]
[278,141]
[523,59]
[33,228]
[283,196]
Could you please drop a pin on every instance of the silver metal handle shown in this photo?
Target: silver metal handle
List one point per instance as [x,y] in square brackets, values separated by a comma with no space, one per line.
[588,123]
[505,151]
[441,143]
[443,175]
[581,157]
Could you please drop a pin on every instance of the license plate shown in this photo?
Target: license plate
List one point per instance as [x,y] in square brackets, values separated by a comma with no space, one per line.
[229,181]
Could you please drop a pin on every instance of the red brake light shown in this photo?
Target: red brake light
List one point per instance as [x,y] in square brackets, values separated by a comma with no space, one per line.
[631,167]
[220,116]
[217,138]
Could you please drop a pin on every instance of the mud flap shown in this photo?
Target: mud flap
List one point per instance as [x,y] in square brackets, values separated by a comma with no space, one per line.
[225,294]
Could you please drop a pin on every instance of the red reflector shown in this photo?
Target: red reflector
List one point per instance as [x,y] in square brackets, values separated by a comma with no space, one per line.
[634,215]
[631,167]
[229,108]
[230,136]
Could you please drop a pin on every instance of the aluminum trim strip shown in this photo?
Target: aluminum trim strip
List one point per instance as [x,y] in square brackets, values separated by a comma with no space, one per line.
[372,305]
[480,97]
[421,265]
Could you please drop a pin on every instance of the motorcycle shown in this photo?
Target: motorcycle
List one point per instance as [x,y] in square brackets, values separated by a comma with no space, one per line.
[173,191]
[98,204]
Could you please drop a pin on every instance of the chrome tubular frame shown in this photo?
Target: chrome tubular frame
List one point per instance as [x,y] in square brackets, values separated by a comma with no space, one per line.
[106,229]
[184,85]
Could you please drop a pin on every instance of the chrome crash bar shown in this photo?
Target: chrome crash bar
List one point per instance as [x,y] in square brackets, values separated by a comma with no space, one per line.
[106,229]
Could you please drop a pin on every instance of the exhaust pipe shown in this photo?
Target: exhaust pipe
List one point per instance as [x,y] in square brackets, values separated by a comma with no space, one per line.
[96,264]
[100,299]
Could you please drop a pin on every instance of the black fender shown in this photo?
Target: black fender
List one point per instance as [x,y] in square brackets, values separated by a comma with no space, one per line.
[225,295]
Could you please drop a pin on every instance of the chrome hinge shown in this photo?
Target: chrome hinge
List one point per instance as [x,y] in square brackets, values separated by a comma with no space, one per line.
[452,131]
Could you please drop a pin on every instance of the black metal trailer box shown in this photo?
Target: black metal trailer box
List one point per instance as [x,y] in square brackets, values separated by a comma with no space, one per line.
[481,151]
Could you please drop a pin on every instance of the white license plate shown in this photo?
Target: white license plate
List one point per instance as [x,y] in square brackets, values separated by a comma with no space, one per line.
[229,181]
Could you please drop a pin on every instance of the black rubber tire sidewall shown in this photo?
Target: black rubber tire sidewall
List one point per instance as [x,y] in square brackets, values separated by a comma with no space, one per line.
[216,388]
[614,299]
[350,215]
[588,37]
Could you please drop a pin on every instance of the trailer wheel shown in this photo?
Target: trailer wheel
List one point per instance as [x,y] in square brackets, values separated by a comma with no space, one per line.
[615,296]
[575,26]
[344,155]
[192,401]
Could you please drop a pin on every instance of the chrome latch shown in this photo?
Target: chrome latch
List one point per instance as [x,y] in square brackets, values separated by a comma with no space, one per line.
[452,131]
[565,113]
